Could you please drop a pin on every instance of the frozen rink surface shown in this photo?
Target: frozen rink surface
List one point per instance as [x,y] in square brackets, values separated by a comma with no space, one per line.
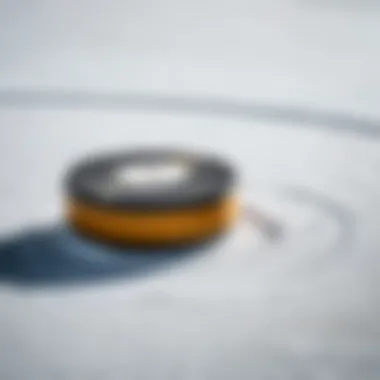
[288,90]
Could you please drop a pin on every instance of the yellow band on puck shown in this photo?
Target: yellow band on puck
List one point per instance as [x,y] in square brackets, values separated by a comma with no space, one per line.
[153,227]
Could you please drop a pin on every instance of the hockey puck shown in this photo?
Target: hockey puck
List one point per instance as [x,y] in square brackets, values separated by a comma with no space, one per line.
[152,198]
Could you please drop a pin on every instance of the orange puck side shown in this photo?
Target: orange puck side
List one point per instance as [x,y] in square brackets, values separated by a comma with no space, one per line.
[157,228]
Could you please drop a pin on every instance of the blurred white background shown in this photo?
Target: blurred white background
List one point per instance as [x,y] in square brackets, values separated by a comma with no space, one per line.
[323,54]
[279,321]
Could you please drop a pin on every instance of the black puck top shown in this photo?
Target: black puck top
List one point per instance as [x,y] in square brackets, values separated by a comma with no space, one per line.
[150,179]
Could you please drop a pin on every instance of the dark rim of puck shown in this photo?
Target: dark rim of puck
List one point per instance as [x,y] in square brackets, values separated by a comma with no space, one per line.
[151,179]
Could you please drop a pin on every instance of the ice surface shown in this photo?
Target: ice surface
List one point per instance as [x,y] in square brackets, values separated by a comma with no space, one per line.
[305,306]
